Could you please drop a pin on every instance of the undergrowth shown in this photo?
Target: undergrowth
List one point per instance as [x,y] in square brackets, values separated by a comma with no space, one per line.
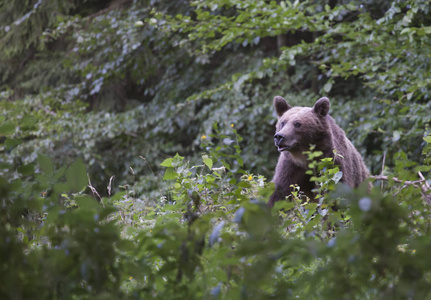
[211,234]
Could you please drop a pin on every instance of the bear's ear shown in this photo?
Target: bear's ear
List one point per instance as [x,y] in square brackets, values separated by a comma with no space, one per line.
[321,107]
[281,105]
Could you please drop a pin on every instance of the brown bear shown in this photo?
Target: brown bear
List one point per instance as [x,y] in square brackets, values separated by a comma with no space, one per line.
[298,128]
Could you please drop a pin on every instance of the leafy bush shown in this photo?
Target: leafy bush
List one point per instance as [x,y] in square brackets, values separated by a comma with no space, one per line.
[212,235]
[113,81]
[93,89]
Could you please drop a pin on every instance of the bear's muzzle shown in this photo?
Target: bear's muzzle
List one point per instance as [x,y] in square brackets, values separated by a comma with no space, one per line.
[280,141]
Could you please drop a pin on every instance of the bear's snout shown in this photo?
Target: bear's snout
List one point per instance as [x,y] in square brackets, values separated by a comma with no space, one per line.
[278,138]
[283,142]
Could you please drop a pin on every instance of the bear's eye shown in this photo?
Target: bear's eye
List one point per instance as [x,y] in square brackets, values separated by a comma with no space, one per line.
[297,124]
[282,123]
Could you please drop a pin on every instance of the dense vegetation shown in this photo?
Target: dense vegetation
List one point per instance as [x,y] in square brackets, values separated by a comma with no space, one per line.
[136,143]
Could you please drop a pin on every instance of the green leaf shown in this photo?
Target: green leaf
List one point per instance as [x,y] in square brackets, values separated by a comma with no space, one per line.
[405,30]
[327,87]
[7,128]
[244,184]
[45,164]
[167,162]
[26,169]
[139,24]
[337,176]
[86,202]
[285,205]
[208,161]
[428,139]
[427,29]
[313,222]
[12,143]
[311,206]
[396,136]
[28,121]
[170,174]
[125,246]
[177,160]
[76,176]
[153,21]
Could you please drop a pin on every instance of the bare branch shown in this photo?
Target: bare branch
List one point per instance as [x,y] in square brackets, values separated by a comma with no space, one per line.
[111,180]
[422,184]
[425,188]
[50,112]
[94,191]
[406,182]
[383,167]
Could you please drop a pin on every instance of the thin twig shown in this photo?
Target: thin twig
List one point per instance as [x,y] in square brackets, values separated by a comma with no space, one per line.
[423,178]
[422,184]
[407,182]
[132,134]
[134,183]
[425,187]
[111,180]
[94,191]
[149,166]
[383,167]
[47,110]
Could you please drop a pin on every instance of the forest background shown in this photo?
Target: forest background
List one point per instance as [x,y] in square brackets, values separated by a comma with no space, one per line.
[136,143]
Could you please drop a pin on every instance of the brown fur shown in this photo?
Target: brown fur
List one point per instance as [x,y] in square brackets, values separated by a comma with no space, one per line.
[298,128]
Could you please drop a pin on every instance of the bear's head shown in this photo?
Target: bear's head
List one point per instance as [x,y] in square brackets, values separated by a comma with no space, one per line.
[299,127]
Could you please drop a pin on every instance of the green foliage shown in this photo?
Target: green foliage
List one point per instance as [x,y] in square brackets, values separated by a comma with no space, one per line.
[96,89]
[211,237]
[52,236]
[350,41]
[108,91]
[427,150]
